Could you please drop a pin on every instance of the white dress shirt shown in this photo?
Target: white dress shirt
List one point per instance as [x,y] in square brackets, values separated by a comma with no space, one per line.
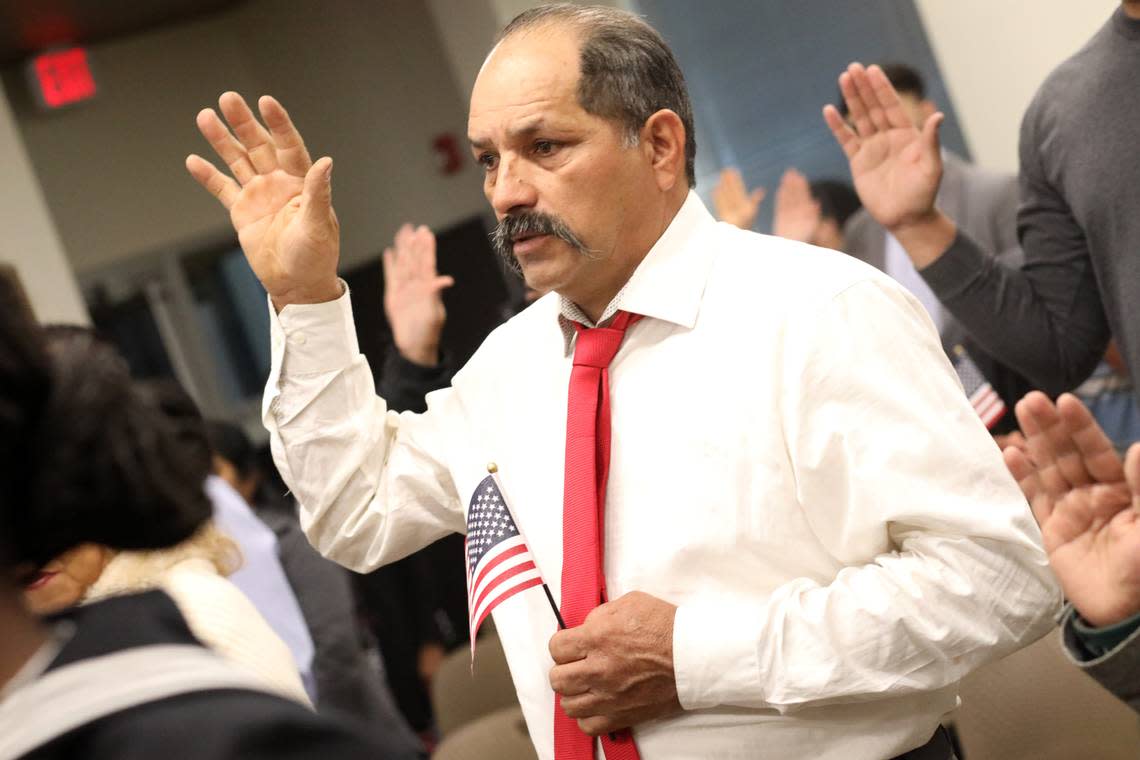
[793,463]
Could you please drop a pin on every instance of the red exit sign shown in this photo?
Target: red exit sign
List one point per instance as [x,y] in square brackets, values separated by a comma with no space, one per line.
[62,77]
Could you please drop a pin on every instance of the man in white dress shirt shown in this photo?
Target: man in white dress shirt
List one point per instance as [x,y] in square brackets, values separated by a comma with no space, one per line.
[803,568]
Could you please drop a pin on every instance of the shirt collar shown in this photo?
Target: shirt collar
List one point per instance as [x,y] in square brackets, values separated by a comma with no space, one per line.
[668,283]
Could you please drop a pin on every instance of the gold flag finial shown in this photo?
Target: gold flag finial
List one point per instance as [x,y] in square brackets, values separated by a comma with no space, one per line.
[492,467]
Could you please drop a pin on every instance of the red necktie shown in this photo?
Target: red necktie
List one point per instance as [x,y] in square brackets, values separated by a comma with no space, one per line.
[583,513]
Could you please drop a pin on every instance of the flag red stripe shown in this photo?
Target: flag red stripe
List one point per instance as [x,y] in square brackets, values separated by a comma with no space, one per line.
[988,409]
[499,580]
[530,583]
[981,392]
[990,405]
[512,552]
[994,417]
[523,582]
[982,400]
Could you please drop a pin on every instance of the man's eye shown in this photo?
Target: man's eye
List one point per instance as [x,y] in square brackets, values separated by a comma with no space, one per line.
[487,161]
[544,147]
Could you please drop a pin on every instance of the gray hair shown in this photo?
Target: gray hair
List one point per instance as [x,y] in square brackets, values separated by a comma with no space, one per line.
[628,73]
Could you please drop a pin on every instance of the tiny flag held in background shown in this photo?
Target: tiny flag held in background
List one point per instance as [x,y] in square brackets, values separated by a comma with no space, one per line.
[985,400]
[499,564]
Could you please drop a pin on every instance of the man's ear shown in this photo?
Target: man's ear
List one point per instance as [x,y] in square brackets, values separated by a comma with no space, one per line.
[927,109]
[662,139]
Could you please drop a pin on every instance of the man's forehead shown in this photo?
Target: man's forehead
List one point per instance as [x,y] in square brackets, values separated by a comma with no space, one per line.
[538,70]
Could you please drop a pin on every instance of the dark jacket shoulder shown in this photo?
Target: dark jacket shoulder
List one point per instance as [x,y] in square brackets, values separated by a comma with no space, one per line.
[215,725]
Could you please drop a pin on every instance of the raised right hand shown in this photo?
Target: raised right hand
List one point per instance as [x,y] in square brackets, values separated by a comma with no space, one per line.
[895,167]
[280,202]
[733,202]
[796,215]
[413,294]
[1087,503]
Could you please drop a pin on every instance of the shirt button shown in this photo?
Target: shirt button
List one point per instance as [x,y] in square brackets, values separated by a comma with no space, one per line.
[299,338]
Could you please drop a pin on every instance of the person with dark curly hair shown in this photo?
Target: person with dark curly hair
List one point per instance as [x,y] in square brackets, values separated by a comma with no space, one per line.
[195,572]
[86,457]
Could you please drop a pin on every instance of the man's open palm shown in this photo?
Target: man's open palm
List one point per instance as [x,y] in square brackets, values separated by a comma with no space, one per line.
[1086,501]
[280,202]
[896,168]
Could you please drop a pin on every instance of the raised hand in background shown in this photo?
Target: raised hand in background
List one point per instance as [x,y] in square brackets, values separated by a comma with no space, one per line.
[1087,502]
[280,202]
[796,215]
[733,202]
[896,167]
[413,294]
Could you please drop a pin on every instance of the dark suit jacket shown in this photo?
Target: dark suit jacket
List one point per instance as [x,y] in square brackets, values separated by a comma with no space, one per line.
[348,682]
[207,725]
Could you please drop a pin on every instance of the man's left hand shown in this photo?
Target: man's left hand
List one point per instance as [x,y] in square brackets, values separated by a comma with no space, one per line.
[616,669]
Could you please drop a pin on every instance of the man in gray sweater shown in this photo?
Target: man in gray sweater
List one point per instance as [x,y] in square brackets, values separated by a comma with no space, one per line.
[1079,227]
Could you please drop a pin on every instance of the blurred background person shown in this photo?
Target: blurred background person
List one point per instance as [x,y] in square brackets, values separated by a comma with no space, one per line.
[260,577]
[981,201]
[348,678]
[416,607]
[811,212]
[1052,318]
[193,572]
[103,466]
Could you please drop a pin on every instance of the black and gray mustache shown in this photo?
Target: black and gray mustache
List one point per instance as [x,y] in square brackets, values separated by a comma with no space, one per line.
[531,223]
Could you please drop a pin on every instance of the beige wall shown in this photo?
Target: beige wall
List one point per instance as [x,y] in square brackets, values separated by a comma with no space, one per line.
[371,83]
[995,53]
[467,28]
[29,242]
[368,83]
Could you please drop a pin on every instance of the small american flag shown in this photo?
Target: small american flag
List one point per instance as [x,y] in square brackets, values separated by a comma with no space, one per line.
[985,400]
[499,564]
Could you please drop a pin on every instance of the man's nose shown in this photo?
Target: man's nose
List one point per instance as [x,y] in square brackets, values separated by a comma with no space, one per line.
[513,190]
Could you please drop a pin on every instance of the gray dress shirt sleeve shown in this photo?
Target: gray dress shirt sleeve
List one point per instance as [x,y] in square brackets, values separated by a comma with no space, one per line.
[1045,320]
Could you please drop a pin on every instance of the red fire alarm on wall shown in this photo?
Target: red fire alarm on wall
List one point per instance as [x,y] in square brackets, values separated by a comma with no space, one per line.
[447,150]
[62,77]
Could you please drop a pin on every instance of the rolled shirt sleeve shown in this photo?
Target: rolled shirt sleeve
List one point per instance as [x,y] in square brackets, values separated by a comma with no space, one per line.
[941,563]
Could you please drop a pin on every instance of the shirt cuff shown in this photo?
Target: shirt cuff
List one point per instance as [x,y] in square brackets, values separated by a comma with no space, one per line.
[314,338]
[956,268]
[1100,641]
[715,661]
